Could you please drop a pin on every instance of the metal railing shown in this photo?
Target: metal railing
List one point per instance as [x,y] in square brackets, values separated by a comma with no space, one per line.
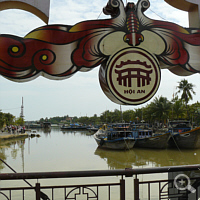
[90,191]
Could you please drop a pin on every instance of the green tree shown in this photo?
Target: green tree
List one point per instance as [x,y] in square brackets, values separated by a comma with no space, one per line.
[129,115]
[186,90]
[147,114]
[160,109]
[105,116]
[84,120]
[95,120]
[195,113]
[178,109]
[41,120]
[9,118]
[138,115]
[19,121]
[2,120]
[116,116]
[75,119]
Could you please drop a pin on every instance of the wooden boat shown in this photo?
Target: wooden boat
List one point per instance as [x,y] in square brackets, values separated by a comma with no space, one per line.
[75,126]
[145,138]
[46,125]
[93,128]
[35,126]
[117,137]
[183,136]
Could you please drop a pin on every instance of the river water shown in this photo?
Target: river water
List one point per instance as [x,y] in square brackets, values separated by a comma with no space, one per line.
[77,150]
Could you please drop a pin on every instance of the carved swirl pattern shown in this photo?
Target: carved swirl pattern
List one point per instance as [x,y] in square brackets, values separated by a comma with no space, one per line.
[114,3]
[44,58]
[145,4]
[17,49]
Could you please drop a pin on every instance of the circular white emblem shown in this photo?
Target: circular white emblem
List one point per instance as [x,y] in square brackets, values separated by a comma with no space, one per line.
[133,75]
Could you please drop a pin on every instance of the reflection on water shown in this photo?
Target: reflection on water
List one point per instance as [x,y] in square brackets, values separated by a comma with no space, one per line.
[148,158]
[59,150]
[15,147]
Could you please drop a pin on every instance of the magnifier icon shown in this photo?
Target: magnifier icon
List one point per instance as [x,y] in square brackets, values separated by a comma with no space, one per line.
[182,182]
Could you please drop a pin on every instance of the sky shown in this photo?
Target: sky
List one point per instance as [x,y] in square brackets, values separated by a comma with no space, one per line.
[81,94]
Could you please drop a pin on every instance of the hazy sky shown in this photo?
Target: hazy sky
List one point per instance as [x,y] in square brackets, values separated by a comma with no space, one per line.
[80,95]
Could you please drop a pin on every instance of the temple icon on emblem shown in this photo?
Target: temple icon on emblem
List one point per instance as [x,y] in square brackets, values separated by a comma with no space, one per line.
[142,76]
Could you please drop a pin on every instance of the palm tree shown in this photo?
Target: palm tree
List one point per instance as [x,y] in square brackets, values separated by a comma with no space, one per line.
[178,110]
[128,115]
[187,91]
[160,108]
[138,114]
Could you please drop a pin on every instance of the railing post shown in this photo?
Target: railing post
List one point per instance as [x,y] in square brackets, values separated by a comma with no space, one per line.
[37,190]
[122,189]
[136,188]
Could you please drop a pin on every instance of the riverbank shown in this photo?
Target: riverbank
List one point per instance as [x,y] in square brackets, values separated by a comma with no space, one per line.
[7,136]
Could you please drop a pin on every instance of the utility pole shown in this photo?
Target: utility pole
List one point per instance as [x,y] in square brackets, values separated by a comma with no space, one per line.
[121,113]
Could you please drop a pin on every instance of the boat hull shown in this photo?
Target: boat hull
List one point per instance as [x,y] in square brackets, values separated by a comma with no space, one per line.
[186,140]
[155,142]
[70,128]
[118,144]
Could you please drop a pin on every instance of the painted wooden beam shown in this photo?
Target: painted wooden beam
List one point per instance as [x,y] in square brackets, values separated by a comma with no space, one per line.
[40,8]
[192,7]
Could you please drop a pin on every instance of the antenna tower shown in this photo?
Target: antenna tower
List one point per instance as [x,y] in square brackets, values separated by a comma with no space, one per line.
[22,109]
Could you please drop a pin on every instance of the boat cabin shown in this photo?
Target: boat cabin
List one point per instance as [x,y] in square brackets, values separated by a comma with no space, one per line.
[119,130]
[145,133]
[142,130]
[179,126]
[142,133]
[46,124]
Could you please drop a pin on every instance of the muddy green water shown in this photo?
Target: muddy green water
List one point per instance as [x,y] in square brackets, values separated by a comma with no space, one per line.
[76,150]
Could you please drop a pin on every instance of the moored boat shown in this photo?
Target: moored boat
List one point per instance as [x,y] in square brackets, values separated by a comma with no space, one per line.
[145,138]
[75,126]
[93,128]
[183,136]
[46,125]
[117,137]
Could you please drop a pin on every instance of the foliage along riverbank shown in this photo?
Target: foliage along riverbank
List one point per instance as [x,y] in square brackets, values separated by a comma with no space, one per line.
[160,110]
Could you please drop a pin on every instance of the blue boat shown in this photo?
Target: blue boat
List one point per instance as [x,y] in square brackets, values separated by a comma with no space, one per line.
[116,136]
[74,126]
